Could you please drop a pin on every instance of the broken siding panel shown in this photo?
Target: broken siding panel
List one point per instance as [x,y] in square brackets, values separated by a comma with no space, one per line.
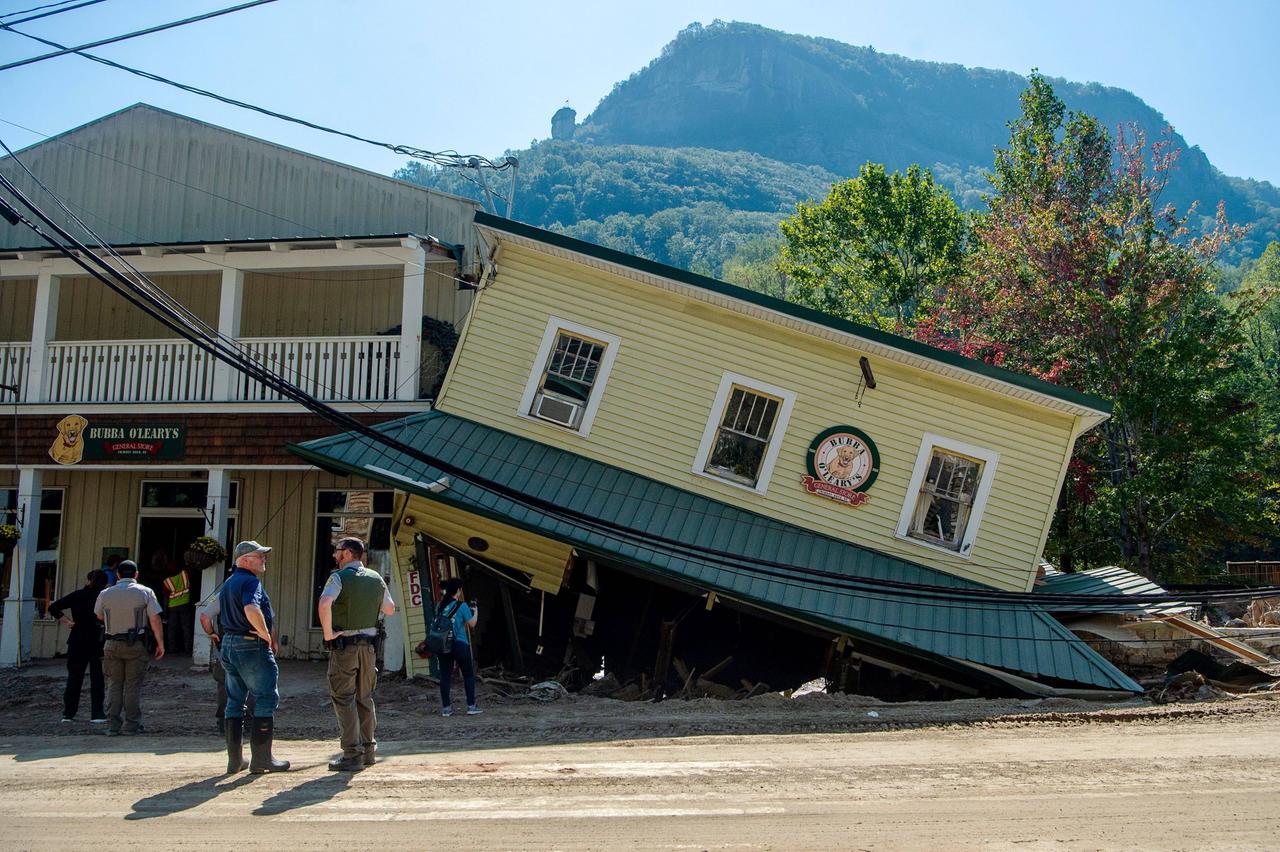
[542,559]
[658,398]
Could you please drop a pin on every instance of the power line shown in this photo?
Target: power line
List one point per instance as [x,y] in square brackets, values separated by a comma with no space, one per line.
[80,5]
[172,180]
[126,36]
[158,294]
[448,158]
[36,8]
[172,317]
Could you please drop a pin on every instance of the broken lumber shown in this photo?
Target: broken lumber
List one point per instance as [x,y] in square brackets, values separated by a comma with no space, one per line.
[717,668]
[1213,637]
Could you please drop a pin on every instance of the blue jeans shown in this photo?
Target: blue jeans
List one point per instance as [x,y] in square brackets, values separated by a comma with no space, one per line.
[461,655]
[250,670]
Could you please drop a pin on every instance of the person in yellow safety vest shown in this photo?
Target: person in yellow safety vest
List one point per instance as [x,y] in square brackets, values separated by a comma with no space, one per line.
[180,621]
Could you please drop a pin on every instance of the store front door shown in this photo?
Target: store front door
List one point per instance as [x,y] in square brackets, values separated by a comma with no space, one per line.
[161,543]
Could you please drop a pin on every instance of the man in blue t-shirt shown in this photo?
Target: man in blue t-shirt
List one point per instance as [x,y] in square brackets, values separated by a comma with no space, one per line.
[248,656]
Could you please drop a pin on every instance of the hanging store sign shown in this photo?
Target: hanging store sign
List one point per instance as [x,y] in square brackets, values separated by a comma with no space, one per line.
[79,439]
[843,463]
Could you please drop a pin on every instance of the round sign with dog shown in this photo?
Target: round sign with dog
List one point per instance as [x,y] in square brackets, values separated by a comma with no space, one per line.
[843,463]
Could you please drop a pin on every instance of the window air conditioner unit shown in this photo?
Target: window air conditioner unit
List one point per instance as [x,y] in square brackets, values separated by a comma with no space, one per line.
[557,410]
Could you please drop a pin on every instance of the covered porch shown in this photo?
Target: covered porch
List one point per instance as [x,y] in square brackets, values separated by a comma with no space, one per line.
[341,319]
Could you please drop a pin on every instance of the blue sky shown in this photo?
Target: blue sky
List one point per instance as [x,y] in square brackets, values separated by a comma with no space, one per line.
[481,78]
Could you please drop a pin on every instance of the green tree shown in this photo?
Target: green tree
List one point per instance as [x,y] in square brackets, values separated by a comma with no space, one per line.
[877,249]
[1079,276]
[755,266]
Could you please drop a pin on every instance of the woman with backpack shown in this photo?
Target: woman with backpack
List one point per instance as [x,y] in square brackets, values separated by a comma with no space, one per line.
[453,616]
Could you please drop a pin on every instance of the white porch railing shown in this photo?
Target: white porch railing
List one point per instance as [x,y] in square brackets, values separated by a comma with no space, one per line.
[13,368]
[333,369]
[329,368]
[128,371]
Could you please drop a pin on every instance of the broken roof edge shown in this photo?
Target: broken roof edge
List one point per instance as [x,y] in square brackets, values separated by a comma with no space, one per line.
[1092,409]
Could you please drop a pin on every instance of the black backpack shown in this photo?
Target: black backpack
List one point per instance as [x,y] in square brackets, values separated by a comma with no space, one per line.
[440,630]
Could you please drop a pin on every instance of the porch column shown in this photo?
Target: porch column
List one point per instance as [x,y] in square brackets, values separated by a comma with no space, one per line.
[19,606]
[230,302]
[216,528]
[44,326]
[411,327]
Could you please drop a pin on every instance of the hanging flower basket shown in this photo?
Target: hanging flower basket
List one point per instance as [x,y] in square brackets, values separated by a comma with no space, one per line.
[9,535]
[203,552]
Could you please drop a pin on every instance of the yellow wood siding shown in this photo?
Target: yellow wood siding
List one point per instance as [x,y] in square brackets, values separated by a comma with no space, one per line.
[88,310]
[542,559]
[658,399]
[17,309]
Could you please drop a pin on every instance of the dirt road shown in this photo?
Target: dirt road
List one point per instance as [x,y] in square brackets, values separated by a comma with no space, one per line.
[593,773]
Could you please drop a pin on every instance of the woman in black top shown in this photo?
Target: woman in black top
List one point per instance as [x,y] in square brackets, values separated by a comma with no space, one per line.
[84,647]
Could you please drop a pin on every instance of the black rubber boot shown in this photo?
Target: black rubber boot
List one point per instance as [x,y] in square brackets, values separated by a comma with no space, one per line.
[235,749]
[263,733]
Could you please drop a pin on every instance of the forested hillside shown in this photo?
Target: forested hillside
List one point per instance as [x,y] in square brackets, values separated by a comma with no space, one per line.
[715,140]
[690,207]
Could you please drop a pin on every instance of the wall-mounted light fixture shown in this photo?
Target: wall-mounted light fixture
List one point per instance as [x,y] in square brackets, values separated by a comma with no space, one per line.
[868,379]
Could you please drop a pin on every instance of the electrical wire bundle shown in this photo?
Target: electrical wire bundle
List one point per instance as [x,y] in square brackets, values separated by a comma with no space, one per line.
[131,284]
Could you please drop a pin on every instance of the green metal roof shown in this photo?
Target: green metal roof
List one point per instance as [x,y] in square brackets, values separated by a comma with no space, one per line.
[1023,639]
[1110,580]
[905,344]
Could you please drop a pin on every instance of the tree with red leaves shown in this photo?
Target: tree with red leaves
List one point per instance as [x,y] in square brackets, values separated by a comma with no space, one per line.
[1077,274]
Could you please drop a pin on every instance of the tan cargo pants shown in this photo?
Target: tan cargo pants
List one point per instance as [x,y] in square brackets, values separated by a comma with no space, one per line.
[125,667]
[352,678]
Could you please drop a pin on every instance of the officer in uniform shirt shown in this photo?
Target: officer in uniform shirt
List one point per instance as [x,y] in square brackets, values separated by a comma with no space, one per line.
[349,607]
[249,660]
[126,610]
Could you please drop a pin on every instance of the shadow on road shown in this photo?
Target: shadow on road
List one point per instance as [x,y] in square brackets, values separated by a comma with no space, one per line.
[186,797]
[310,793]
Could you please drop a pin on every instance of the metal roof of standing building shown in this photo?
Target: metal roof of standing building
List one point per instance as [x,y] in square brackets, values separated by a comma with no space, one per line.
[1019,638]
[146,175]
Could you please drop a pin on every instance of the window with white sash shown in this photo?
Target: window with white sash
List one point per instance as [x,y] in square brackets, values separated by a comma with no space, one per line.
[947,494]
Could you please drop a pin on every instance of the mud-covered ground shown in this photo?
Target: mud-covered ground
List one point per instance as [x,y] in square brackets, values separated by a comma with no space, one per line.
[179,701]
[815,772]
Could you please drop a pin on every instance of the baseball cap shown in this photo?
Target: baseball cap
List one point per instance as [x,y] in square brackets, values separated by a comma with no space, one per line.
[244,548]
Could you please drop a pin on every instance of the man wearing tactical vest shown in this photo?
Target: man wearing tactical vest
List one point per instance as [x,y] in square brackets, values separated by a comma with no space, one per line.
[349,609]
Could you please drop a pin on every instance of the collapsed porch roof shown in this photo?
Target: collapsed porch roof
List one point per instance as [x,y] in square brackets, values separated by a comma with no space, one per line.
[1018,638]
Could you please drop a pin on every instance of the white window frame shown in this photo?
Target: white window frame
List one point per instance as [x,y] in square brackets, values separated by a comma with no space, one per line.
[727,382]
[555,325]
[928,443]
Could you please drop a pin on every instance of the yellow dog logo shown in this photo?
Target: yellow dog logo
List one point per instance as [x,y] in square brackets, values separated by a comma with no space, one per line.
[69,449]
